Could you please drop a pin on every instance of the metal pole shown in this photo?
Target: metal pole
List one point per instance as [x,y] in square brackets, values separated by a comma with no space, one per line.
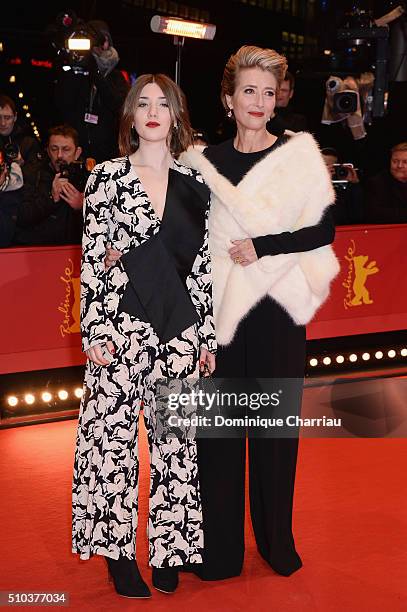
[179,42]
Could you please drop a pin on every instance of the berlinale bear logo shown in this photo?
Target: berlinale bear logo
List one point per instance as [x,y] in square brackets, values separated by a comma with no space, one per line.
[356,278]
[70,306]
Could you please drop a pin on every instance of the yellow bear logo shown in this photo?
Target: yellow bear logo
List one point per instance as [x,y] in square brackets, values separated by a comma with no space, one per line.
[358,270]
[362,271]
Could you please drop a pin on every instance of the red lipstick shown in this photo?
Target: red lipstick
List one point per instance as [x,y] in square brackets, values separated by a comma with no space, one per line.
[256,114]
[152,124]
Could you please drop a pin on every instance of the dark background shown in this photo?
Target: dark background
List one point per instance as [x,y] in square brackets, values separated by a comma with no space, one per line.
[298,28]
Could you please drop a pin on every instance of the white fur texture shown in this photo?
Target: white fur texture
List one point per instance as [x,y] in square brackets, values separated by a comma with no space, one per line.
[285,191]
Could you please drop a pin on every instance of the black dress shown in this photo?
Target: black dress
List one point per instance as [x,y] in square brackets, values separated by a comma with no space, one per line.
[267,344]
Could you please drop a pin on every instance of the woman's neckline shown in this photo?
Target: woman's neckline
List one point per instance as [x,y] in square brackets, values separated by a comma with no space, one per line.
[255,152]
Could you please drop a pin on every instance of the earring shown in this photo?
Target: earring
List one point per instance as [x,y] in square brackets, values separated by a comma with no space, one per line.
[229,113]
[175,126]
[133,132]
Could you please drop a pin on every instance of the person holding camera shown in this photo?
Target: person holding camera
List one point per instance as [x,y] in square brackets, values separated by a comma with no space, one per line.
[348,207]
[52,199]
[18,146]
[90,99]
[11,181]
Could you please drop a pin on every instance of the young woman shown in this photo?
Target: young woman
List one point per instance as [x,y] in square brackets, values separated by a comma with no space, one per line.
[148,317]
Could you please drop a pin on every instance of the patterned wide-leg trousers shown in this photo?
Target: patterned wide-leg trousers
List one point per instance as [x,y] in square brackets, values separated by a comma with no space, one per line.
[106,467]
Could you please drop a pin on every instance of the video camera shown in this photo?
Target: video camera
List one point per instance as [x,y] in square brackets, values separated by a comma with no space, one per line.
[73,40]
[77,172]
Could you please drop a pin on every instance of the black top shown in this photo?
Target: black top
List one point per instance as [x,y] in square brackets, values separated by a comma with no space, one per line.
[233,165]
[386,199]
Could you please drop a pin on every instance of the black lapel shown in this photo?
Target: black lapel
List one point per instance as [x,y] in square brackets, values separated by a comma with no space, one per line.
[183,225]
[157,269]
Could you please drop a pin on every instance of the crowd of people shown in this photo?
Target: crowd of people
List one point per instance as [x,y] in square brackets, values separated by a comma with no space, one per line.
[42,186]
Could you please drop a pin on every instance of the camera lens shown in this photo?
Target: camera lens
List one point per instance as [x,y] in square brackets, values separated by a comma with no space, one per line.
[342,172]
[345,103]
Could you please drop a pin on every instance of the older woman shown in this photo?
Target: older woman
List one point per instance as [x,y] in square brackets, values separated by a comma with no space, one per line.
[268,234]
[149,317]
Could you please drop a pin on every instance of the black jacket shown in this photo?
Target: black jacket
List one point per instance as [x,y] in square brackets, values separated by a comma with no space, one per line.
[40,220]
[386,199]
[72,98]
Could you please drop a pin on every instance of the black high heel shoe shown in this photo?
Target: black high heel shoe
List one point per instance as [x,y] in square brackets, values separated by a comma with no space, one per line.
[126,578]
[165,579]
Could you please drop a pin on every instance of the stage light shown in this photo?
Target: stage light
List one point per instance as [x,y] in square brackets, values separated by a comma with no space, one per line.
[180,27]
[66,68]
[29,398]
[62,394]
[1,47]
[12,400]
[391,353]
[12,79]
[313,362]
[25,106]
[340,359]
[20,95]
[78,392]
[378,354]
[327,51]
[353,357]
[78,44]
[403,352]
[326,360]
[46,396]
[366,356]
[28,115]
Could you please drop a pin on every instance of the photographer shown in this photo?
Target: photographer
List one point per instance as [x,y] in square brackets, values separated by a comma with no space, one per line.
[52,198]
[348,207]
[11,181]
[89,96]
[284,118]
[386,193]
[18,146]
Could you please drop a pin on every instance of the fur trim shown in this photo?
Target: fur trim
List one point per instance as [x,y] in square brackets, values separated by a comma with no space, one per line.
[286,190]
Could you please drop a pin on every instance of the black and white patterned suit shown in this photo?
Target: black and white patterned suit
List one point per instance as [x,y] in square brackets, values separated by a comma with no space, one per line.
[155,305]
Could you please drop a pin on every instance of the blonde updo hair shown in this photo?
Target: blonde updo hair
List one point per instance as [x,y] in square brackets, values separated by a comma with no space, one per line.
[251,57]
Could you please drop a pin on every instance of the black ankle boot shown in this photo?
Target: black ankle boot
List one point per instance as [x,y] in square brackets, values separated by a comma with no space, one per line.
[127,578]
[165,579]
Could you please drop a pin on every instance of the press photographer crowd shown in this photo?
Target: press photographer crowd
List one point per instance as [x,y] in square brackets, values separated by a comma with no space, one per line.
[42,184]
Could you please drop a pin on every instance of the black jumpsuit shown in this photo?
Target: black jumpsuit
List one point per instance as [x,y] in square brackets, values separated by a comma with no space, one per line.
[267,344]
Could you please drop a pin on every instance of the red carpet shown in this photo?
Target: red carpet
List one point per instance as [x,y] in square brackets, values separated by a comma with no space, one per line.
[350,524]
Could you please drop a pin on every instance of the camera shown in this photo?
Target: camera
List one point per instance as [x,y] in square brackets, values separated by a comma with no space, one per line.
[76,172]
[341,171]
[68,30]
[9,153]
[345,102]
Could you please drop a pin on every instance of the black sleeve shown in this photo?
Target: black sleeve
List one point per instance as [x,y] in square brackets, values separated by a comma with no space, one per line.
[112,90]
[305,239]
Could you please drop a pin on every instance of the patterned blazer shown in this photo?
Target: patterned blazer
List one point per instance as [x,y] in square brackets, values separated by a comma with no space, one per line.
[118,213]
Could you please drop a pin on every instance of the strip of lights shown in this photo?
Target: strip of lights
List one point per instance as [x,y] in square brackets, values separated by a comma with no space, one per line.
[45,397]
[355,357]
